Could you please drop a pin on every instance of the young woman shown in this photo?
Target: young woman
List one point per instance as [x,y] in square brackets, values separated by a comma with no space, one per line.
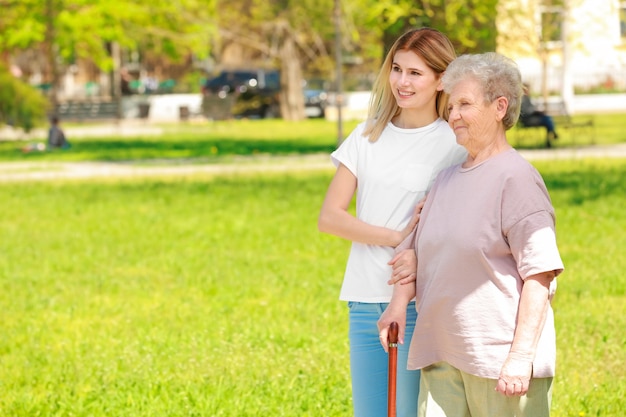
[390,162]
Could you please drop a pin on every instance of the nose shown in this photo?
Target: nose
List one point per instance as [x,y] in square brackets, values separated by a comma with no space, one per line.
[454,113]
[404,79]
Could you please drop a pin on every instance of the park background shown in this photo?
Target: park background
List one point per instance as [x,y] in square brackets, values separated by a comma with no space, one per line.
[116,58]
[175,268]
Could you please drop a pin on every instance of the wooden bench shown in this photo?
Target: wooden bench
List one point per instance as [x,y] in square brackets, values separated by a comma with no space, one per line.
[88,110]
[562,121]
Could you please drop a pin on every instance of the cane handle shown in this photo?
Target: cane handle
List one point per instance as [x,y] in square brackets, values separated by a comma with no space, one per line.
[393,334]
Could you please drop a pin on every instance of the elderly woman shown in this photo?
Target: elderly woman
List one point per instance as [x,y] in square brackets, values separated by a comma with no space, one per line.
[487,261]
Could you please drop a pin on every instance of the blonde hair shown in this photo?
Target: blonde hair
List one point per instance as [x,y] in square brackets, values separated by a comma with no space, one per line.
[437,52]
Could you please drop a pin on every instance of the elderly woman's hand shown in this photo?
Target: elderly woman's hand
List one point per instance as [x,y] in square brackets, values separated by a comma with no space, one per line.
[394,312]
[515,375]
[404,267]
[518,366]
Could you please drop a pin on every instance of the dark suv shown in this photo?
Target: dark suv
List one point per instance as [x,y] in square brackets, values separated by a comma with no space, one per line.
[242,93]
[255,93]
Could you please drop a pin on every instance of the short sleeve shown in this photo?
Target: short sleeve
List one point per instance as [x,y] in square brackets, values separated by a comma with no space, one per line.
[528,222]
[348,152]
[533,245]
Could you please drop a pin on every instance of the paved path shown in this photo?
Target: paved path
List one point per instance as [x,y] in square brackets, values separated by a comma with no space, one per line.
[41,171]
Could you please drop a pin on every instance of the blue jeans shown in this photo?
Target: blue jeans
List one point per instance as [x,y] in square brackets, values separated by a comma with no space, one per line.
[369,363]
[539,119]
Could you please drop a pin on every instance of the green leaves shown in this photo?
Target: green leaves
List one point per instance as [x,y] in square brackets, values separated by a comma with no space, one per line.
[83,28]
[20,104]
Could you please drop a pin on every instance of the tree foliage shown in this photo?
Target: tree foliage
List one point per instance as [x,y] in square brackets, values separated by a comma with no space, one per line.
[294,36]
[84,28]
[20,104]
[470,25]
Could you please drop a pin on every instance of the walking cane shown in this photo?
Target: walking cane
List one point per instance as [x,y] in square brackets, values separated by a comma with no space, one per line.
[393,369]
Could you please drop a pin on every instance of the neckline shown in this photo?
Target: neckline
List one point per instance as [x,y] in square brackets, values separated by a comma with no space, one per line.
[501,154]
[435,123]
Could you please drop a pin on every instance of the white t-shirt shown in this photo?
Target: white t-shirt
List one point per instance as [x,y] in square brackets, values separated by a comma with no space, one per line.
[482,232]
[393,175]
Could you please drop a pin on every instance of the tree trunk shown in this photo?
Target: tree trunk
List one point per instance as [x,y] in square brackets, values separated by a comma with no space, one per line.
[51,55]
[116,78]
[291,96]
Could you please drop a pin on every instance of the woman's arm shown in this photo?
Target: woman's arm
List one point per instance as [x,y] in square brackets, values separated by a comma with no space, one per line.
[335,219]
[533,307]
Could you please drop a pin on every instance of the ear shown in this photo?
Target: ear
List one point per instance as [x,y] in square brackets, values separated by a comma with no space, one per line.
[440,84]
[502,104]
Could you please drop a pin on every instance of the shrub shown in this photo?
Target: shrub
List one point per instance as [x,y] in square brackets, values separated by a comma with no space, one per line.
[20,104]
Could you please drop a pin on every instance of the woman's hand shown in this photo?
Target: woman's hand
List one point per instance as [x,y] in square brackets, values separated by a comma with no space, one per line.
[415,219]
[533,306]
[515,375]
[394,312]
[404,266]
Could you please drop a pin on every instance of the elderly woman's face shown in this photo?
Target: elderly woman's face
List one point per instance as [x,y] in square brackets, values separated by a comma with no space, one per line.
[473,120]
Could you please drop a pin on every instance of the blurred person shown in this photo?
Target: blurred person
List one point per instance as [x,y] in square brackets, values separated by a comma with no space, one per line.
[487,262]
[530,116]
[56,136]
[125,80]
[389,162]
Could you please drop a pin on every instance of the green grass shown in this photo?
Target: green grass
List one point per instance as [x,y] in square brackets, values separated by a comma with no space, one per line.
[590,306]
[607,129]
[169,298]
[218,296]
[199,142]
[216,142]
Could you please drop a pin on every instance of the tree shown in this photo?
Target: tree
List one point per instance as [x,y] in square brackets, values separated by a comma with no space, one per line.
[470,25]
[68,30]
[287,35]
[20,104]
[295,36]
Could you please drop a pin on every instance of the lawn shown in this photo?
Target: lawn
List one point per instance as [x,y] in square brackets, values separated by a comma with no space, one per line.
[218,296]
[203,142]
[218,142]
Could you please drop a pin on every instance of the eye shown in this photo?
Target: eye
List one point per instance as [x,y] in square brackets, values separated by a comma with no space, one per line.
[395,68]
[416,73]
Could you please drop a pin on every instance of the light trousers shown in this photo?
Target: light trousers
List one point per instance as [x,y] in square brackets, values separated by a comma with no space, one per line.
[369,364]
[446,391]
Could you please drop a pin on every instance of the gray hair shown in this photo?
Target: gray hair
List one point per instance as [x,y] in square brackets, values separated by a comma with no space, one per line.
[497,75]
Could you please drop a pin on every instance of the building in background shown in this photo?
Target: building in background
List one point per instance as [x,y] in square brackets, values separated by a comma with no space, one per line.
[566,47]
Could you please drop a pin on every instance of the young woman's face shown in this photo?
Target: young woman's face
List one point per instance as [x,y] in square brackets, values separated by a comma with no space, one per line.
[413,83]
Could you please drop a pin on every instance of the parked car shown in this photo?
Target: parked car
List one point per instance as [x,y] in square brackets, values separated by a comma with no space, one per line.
[255,93]
[242,93]
[315,97]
